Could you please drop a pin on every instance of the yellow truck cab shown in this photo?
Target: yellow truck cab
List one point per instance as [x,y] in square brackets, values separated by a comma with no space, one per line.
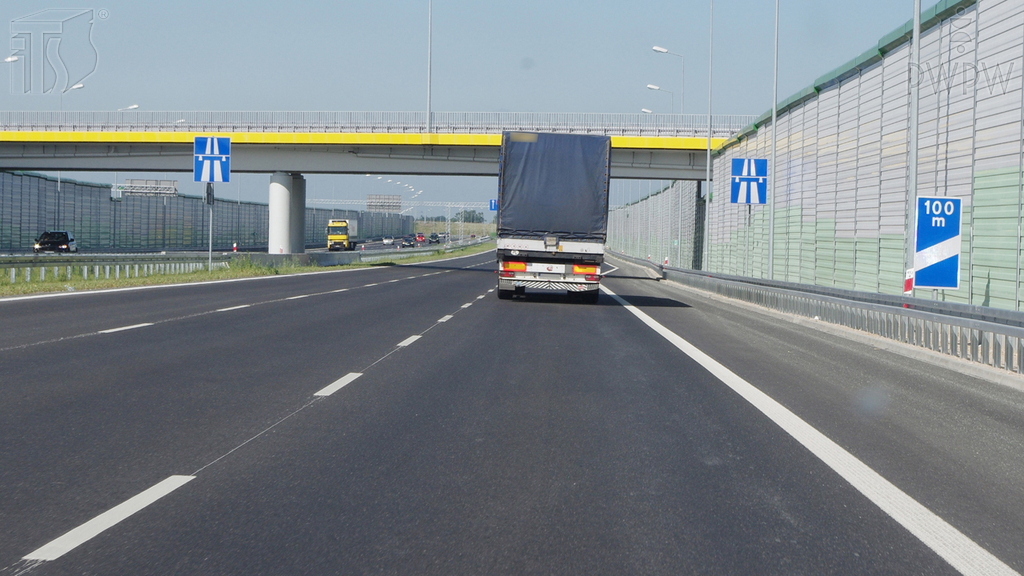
[341,234]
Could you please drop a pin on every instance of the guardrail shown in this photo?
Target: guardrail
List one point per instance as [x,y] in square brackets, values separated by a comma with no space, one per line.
[37,268]
[975,333]
[722,126]
[389,254]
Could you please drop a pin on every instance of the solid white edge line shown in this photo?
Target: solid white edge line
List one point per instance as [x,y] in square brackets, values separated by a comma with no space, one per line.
[408,340]
[122,328]
[338,384]
[445,318]
[232,308]
[953,546]
[78,536]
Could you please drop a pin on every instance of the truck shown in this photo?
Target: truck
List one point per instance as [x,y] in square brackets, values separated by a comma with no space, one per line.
[341,234]
[552,213]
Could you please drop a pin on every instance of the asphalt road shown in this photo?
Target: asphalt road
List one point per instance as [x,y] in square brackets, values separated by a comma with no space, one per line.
[524,436]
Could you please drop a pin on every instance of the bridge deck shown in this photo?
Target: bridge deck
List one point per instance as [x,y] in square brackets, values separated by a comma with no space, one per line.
[330,138]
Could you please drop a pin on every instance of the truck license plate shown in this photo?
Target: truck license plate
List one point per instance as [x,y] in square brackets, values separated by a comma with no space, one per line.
[546,268]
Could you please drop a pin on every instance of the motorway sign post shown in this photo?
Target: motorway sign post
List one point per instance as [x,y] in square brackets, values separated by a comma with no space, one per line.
[211,163]
[937,243]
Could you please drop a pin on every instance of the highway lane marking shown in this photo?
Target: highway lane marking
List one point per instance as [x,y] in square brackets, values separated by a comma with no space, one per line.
[467,305]
[395,280]
[82,534]
[123,328]
[298,297]
[953,546]
[409,340]
[491,290]
[233,308]
[481,297]
[338,384]
[340,290]
[607,272]
[445,318]
[368,285]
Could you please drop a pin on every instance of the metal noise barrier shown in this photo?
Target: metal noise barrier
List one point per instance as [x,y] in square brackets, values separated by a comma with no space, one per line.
[949,329]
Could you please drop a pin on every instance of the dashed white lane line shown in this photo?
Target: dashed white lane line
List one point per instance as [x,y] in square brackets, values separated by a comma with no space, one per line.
[491,290]
[409,340]
[232,308]
[952,545]
[445,318]
[97,525]
[467,305]
[481,297]
[369,285]
[395,280]
[339,290]
[122,328]
[339,384]
[297,297]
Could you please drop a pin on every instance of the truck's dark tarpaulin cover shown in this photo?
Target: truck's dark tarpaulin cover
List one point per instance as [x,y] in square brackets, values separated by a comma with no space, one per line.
[554,184]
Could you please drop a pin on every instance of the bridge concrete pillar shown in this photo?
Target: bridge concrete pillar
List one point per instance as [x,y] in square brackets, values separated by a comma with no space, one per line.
[297,214]
[279,235]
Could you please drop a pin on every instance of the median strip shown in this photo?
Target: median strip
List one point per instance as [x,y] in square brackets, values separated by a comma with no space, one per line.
[108,519]
[339,384]
[122,328]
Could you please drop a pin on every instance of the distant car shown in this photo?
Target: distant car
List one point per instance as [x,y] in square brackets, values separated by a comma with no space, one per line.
[420,238]
[434,238]
[55,241]
[388,240]
[409,242]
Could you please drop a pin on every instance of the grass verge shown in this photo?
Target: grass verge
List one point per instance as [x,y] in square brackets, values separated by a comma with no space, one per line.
[239,268]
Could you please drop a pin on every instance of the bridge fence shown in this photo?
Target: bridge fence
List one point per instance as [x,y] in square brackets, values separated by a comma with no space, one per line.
[673,125]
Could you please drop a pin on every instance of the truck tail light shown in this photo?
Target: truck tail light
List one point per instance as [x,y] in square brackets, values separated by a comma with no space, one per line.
[514,266]
[577,269]
[593,278]
[506,274]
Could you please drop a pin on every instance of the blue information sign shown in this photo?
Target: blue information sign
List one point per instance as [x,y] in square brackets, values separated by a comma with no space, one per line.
[749,181]
[937,242]
[212,159]
[494,205]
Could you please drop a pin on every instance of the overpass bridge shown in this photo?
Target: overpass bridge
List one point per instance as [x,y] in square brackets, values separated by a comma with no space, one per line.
[289,144]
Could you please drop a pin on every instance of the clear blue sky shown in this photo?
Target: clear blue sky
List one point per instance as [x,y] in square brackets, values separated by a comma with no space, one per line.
[527,55]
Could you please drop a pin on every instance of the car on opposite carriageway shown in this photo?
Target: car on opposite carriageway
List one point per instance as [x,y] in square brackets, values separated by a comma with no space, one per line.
[55,241]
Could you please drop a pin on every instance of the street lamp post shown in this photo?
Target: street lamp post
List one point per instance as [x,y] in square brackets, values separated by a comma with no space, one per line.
[682,62]
[671,97]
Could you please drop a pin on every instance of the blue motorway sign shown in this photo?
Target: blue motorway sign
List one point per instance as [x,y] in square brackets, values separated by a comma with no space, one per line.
[749,181]
[494,205]
[212,159]
[937,242]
